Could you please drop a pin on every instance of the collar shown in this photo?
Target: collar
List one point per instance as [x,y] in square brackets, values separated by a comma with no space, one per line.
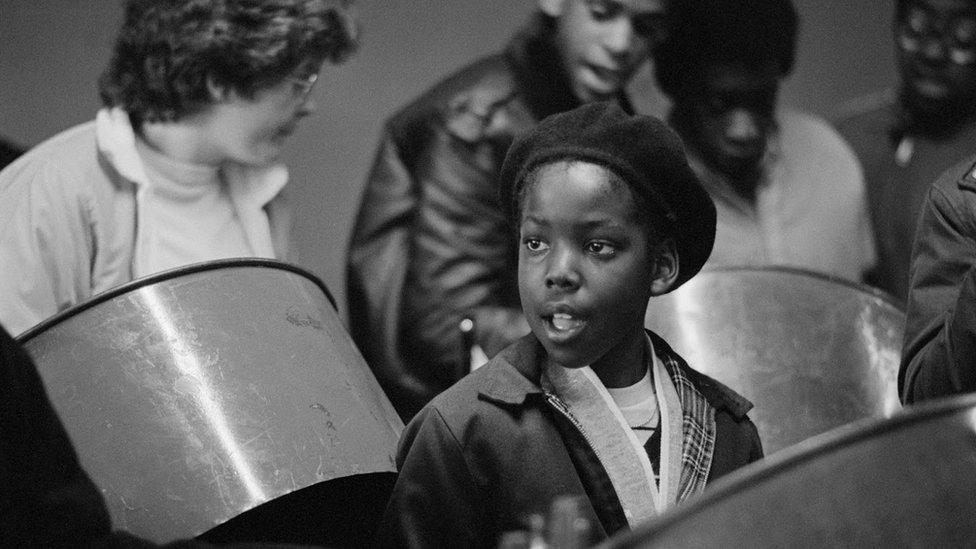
[251,188]
[519,379]
[538,69]
[718,395]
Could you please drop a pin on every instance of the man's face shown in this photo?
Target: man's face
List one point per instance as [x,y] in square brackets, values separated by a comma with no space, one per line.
[730,116]
[603,42]
[253,130]
[935,43]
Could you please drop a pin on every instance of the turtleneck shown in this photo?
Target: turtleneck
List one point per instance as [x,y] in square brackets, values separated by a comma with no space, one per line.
[191,210]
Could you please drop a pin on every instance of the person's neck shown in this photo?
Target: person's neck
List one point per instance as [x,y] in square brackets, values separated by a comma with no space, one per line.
[182,140]
[625,365]
[936,122]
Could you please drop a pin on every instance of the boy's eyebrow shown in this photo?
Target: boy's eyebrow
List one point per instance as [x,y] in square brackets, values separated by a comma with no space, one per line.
[605,222]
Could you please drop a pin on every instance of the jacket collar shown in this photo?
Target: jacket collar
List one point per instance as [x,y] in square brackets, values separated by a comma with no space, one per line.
[717,394]
[519,378]
[539,71]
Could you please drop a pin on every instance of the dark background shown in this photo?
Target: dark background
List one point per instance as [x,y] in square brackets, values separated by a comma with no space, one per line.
[51,52]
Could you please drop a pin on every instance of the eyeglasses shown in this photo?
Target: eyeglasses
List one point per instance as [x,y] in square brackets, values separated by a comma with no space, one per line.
[956,32]
[302,85]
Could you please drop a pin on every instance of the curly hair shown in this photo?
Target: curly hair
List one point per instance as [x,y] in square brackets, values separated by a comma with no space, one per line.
[169,52]
[706,33]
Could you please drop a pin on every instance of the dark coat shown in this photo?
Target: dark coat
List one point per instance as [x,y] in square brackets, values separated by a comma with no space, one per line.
[939,357]
[492,450]
[432,242]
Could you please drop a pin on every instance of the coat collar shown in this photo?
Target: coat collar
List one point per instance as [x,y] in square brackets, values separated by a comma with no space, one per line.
[521,368]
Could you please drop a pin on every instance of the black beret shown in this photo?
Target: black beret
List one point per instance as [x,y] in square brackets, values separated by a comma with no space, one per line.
[642,151]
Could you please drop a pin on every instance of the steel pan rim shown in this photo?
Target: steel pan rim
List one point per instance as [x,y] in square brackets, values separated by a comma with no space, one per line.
[169,274]
[859,286]
[801,453]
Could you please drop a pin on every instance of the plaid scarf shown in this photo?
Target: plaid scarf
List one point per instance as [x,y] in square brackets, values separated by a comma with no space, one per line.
[580,396]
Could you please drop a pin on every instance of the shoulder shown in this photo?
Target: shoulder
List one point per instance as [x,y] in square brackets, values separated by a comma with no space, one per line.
[955,188]
[811,145]
[718,395]
[462,102]
[58,166]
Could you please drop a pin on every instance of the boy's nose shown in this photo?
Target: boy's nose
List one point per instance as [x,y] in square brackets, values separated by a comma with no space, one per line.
[562,273]
[619,38]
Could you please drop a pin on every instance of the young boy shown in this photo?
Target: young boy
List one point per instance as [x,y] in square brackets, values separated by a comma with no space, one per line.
[589,404]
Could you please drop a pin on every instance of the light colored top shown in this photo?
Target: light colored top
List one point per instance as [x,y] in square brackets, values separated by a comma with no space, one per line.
[193,210]
[75,218]
[638,405]
[810,209]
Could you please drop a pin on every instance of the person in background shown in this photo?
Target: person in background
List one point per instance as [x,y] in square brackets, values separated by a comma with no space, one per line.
[939,355]
[788,190]
[906,138]
[588,405]
[181,164]
[430,245]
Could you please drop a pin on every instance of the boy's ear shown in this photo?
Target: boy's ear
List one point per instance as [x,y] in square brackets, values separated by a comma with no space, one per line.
[664,267]
[552,8]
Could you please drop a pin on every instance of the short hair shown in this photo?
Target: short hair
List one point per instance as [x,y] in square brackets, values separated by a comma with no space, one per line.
[752,34]
[168,52]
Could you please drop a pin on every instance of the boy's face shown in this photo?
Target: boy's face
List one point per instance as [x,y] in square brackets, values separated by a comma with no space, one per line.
[936,49]
[587,267]
[602,42]
[730,117]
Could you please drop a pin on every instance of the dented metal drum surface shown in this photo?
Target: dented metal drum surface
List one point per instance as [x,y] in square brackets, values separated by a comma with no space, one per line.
[904,481]
[811,352]
[197,394]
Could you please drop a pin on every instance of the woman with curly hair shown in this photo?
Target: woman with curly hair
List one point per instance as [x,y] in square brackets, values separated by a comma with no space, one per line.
[181,164]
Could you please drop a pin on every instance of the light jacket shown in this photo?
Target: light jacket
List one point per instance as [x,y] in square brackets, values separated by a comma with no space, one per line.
[70,223]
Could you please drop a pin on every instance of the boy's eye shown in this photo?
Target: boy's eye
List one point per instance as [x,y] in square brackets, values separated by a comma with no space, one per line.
[601,249]
[534,244]
[603,9]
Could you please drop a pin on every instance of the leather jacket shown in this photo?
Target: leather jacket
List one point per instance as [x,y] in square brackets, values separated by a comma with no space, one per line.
[432,243]
[939,357]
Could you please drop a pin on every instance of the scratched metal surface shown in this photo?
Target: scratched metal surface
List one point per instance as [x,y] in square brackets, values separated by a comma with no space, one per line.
[812,353]
[205,392]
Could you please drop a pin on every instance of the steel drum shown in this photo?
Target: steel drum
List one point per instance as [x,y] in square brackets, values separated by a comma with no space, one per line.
[811,352]
[202,396]
[907,481]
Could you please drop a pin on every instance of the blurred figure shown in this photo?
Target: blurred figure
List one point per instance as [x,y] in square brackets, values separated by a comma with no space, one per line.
[181,164]
[431,244]
[939,357]
[788,190]
[906,138]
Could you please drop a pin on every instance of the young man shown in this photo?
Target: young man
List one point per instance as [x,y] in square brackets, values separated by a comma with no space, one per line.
[431,243]
[788,190]
[181,164]
[906,138]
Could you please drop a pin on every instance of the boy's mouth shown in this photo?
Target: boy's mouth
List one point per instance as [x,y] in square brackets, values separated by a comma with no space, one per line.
[562,327]
[565,322]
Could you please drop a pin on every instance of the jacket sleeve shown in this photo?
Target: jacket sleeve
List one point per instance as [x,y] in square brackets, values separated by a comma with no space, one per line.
[939,357]
[431,245]
[435,502]
[463,260]
[46,247]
